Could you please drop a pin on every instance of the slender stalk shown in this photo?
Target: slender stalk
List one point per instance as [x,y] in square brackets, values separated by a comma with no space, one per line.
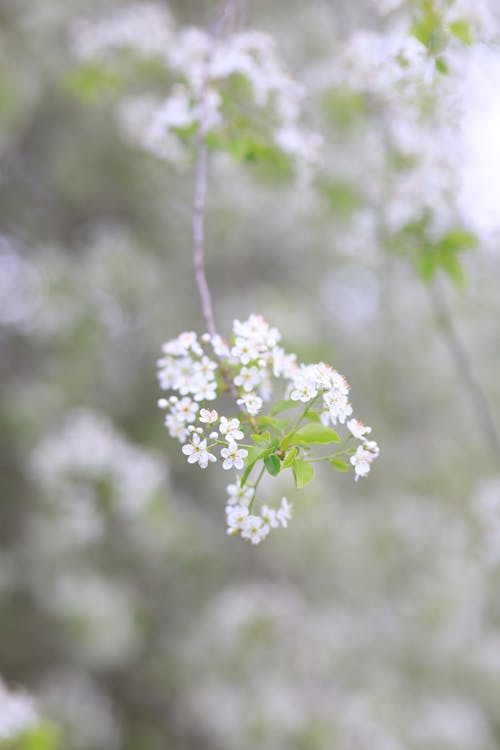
[261,474]
[201,177]
[465,371]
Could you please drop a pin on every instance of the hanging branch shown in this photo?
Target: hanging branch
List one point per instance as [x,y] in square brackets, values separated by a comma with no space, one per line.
[200,193]
[465,371]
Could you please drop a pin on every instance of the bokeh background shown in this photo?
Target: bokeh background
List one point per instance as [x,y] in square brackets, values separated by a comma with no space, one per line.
[126,614]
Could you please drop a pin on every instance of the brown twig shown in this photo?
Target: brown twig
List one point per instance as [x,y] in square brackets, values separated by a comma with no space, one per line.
[465,371]
[201,176]
[200,197]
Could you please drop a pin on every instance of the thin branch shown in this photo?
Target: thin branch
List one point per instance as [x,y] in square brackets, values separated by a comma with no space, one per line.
[200,193]
[465,371]
[227,13]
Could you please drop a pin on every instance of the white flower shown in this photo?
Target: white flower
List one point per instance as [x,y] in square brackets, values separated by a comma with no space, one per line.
[205,367]
[361,462]
[251,402]
[269,516]
[338,406]
[238,495]
[197,452]
[233,456]
[304,390]
[230,428]
[236,516]
[185,409]
[284,514]
[245,350]
[284,364]
[176,428]
[208,416]
[254,529]
[18,713]
[372,447]
[219,346]
[248,378]
[358,429]
[206,391]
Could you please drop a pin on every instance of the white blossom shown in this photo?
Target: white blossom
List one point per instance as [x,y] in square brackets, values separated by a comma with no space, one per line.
[254,529]
[236,516]
[238,495]
[197,452]
[248,378]
[208,416]
[233,456]
[251,403]
[230,429]
[358,429]
[284,514]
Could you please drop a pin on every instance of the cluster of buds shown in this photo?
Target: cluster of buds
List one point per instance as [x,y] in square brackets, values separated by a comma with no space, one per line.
[266,383]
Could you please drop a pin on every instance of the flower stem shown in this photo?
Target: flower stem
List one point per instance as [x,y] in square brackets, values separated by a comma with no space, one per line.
[261,473]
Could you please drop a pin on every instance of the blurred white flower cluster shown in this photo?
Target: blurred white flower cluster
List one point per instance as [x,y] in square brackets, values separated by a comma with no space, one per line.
[18,713]
[207,69]
[87,449]
[253,368]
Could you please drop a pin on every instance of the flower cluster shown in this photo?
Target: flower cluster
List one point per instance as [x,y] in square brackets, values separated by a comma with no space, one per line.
[246,63]
[257,372]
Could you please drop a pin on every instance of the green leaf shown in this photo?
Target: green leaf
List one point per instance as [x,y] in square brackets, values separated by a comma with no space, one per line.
[316,433]
[278,424]
[303,472]
[461,30]
[290,457]
[272,464]
[442,65]
[264,438]
[254,455]
[281,406]
[339,465]
[458,239]
[312,416]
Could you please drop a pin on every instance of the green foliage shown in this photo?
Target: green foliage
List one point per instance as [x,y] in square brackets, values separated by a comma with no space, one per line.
[43,737]
[315,433]
[303,473]
[265,437]
[430,254]
[461,29]
[339,465]
[92,82]
[281,406]
[272,464]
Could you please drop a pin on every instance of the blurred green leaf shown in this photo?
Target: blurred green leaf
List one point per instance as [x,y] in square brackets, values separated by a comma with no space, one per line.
[272,464]
[339,465]
[316,433]
[461,29]
[303,473]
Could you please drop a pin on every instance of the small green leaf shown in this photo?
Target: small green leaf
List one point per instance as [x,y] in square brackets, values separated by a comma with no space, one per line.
[461,30]
[339,465]
[264,438]
[303,472]
[289,458]
[254,455]
[442,65]
[272,464]
[312,416]
[316,433]
[278,424]
[281,406]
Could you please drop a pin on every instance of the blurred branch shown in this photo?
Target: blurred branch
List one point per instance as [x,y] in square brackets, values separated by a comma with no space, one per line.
[200,193]
[465,370]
